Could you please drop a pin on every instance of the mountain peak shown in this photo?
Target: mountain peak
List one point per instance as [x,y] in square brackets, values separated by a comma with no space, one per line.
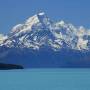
[36,17]
[41,13]
[39,31]
[36,20]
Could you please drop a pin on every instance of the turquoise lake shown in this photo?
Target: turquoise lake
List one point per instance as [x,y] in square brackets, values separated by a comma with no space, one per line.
[45,79]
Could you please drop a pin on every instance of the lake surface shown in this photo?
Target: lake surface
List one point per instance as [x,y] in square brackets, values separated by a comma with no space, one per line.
[45,79]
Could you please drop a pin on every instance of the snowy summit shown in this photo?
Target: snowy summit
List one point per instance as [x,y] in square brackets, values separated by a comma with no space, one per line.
[39,31]
[42,43]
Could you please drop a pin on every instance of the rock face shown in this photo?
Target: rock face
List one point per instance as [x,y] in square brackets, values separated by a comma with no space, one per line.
[9,66]
[40,42]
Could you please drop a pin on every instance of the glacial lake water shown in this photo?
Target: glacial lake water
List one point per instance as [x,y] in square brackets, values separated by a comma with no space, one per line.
[45,79]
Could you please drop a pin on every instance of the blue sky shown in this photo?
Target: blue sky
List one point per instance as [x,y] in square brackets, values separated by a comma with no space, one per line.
[13,12]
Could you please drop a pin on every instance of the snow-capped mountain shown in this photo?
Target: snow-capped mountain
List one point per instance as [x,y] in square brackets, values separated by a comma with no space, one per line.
[39,31]
[41,42]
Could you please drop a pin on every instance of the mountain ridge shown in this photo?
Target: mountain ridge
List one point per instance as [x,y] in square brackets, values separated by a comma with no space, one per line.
[57,34]
[41,42]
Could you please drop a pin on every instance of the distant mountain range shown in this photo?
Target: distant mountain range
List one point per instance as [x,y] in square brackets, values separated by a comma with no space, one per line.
[42,43]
